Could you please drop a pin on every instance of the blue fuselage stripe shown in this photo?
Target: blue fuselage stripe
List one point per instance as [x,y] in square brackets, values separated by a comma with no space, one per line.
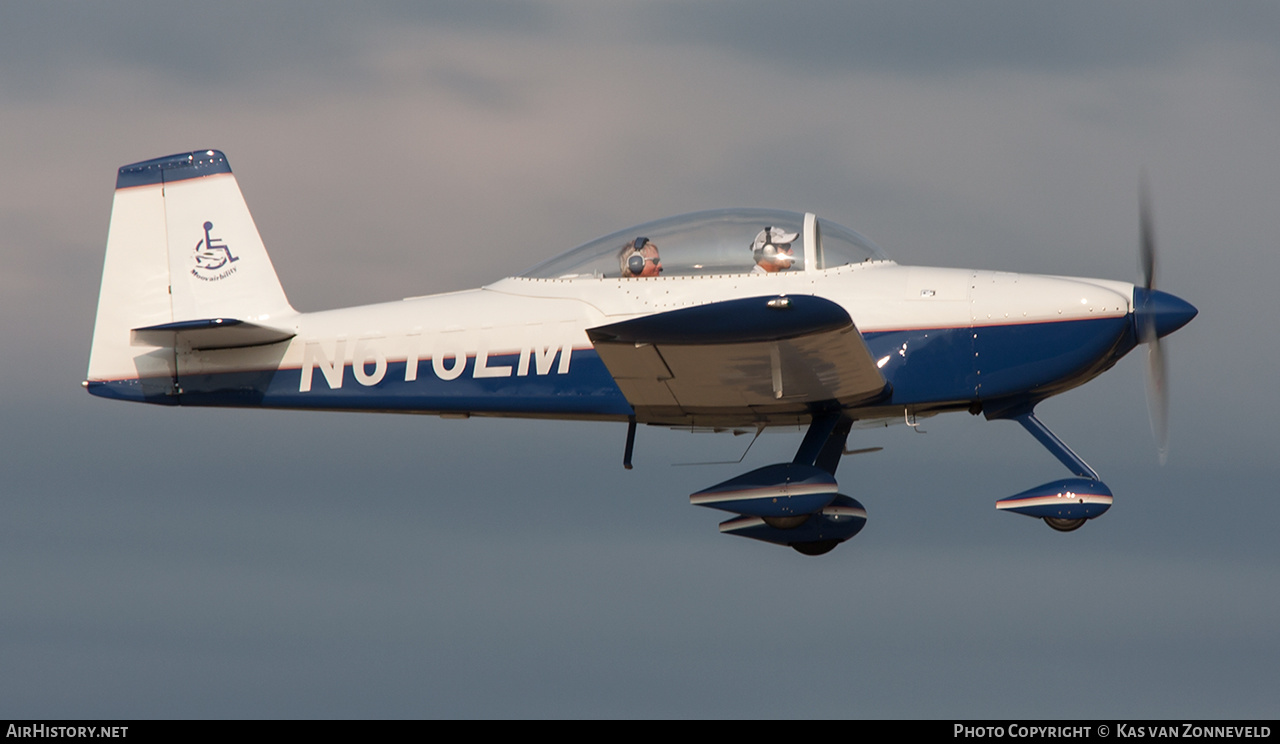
[925,366]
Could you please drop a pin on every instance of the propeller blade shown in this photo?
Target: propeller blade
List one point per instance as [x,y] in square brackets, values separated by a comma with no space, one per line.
[1157,373]
[1158,396]
[1147,249]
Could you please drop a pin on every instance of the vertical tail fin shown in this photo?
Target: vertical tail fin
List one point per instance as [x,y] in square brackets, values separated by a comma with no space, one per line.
[182,248]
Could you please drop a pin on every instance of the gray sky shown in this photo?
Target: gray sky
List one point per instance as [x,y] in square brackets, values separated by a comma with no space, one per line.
[241,563]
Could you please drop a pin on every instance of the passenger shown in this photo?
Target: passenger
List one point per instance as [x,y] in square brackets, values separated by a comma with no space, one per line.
[639,258]
[772,250]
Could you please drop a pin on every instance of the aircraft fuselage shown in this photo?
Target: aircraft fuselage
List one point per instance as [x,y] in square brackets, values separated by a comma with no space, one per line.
[943,338]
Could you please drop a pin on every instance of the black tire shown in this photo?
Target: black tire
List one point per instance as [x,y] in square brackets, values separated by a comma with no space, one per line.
[817,547]
[1064,525]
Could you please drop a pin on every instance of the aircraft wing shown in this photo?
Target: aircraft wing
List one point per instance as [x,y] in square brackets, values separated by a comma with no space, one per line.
[756,356]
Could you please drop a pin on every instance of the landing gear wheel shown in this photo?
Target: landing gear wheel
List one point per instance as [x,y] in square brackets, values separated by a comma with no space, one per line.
[785,523]
[1064,525]
[818,547]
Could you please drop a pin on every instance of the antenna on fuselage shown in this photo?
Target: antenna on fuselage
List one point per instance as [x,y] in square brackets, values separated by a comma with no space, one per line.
[759,430]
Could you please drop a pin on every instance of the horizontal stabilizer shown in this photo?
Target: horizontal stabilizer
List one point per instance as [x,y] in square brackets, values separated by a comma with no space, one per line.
[210,333]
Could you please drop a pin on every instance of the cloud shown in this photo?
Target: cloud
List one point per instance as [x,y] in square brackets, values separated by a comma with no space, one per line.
[43,49]
[948,40]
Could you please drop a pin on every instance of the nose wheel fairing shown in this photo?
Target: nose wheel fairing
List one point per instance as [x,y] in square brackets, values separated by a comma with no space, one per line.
[1067,499]
[1065,504]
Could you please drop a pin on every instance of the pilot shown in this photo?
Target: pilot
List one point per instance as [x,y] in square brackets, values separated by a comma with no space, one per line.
[772,250]
[639,258]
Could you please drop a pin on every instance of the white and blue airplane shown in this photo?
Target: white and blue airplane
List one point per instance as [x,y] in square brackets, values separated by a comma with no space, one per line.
[725,320]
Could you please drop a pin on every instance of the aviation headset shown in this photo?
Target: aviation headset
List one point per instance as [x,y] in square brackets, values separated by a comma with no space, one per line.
[636,258]
[770,251]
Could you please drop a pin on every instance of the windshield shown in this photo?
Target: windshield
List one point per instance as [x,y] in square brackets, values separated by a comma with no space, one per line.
[727,241]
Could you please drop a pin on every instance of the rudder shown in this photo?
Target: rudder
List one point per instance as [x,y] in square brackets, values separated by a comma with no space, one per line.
[182,250]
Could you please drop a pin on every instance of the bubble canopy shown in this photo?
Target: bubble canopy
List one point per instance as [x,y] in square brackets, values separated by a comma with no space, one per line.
[717,242]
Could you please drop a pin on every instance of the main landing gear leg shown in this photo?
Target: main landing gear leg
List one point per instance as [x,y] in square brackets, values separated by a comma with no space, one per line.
[822,447]
[823,444]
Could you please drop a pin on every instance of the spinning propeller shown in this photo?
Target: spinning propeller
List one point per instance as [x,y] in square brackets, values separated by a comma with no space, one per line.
[1156,314]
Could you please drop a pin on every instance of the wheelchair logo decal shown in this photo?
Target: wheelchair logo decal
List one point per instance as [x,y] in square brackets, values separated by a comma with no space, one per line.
[213,258]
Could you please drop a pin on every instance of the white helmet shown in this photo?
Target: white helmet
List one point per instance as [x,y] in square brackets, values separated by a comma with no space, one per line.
[770,243]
